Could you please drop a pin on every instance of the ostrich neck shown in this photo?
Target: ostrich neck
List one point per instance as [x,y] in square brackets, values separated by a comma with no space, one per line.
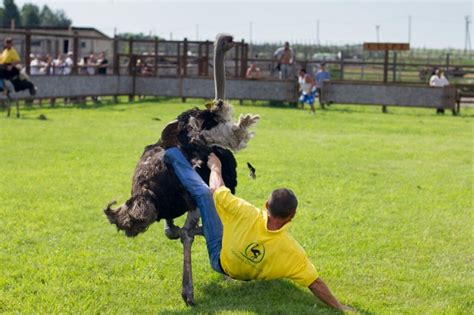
[219,74]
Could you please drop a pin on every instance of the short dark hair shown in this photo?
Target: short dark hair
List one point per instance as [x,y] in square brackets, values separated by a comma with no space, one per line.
[8,40]
[282,203]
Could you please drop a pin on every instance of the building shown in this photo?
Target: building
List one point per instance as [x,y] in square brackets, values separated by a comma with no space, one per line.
[42,43]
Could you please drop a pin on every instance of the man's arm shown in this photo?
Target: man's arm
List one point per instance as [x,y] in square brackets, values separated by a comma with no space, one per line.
[321,291]
[215,179]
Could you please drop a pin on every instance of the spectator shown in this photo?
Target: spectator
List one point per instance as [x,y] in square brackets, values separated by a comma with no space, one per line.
[285,58]
[91,64]
[83,65]
[320,76]
[253,72]
[58,65]
[37,66]
[102,64]
[307,89]
[68,64]
[10,69]
[439,80]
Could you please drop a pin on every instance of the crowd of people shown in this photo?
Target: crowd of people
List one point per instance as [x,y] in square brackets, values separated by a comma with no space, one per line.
[90,64]
[310,84]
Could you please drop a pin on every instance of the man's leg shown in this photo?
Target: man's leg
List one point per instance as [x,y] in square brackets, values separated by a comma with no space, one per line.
[202,196]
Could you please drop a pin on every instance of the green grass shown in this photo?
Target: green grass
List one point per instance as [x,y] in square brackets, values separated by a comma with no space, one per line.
[385,211]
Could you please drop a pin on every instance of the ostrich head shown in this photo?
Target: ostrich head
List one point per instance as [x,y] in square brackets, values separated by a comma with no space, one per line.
[223,44]
[134,216]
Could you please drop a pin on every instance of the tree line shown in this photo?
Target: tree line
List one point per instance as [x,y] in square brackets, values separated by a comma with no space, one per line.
[31,15]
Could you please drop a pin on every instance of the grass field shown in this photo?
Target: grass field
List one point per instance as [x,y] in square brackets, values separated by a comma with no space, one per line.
[385,212]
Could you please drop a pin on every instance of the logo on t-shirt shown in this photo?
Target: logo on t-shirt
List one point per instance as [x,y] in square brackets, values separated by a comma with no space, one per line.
[254,252]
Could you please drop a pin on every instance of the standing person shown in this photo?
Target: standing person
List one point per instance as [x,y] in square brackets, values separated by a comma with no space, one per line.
[9,69]
[307,89]
[91,65]
[68,64]
[285,58]
[58,65]
[102,64]
[320,76]
[438,80]
[243,241]
[36,65]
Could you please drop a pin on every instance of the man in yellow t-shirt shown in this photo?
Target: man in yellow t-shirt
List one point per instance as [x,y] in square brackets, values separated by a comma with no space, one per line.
[244,242]
[9,55]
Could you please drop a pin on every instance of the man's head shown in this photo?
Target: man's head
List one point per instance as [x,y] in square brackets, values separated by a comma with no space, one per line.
[8,43]
[287,45]
[302,71]
[323,67]
[438,72]
[282,204]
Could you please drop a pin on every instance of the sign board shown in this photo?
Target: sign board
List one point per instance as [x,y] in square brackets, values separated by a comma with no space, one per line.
[386,46]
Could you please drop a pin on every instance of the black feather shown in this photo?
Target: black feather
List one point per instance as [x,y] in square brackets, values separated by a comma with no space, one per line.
[252,171]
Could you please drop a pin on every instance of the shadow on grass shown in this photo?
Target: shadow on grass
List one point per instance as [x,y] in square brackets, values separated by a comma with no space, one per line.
[261,297]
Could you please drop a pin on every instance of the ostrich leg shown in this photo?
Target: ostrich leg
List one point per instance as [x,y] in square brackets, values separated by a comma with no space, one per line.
[187,237]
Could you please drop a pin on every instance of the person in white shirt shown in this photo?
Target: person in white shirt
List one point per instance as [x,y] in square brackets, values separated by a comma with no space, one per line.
[58,65]
[439,80]
[307,89]
[37,66]
[68,63]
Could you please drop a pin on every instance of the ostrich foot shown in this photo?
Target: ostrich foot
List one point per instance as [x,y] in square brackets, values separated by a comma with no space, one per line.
[172,231]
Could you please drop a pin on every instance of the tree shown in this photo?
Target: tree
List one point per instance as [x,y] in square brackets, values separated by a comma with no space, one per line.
[47,17]
[30,15]
[57,19]
[63,20]
[10,13]
[2,14]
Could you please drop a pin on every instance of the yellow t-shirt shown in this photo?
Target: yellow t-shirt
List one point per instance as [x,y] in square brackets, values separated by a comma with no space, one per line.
[250,251]
[9,56]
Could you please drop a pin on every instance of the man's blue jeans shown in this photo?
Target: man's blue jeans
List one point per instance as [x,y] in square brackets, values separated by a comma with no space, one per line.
[202,196]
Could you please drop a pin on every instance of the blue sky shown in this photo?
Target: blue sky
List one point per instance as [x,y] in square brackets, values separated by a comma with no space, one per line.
[435,24]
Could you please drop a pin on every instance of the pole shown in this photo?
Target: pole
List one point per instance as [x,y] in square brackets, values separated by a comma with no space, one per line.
[467,40]
[447,63]
[409,29]
[394,66]
[250,38]
[377,28]
[317,33]
[27,51]
[385,76]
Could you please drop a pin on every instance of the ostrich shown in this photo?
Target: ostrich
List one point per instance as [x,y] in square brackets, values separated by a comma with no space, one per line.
[156,191]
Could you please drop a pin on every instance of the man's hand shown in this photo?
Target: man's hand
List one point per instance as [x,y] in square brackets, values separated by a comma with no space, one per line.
[321,291]
[213,162]
[215,178]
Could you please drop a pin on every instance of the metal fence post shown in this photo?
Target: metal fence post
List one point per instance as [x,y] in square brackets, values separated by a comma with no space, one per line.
[27,51]
[394,66]
[75,53]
